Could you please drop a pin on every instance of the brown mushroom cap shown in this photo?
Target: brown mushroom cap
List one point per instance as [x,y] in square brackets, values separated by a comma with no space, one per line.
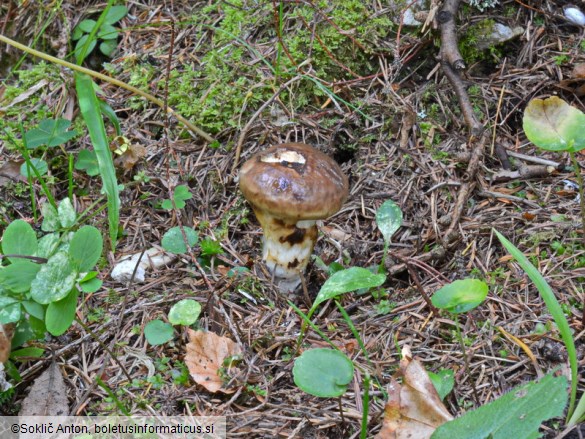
[294,181]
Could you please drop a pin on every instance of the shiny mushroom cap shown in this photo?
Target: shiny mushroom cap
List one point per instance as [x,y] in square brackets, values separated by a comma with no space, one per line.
[295,182]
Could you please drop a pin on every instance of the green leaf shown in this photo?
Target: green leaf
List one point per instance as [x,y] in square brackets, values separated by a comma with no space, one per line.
[66,212]
[173,242]
[553,307]
[48,244]
[388,219]
[185,312]
[39,164]
[158,332]
[50,132]
[54,280]
[80,45]
[87,161]
[460,296]
[443,381]
[34,309]
[30,352]
[108,47]
[50,218]
[110,114]
[86,247]
[518,414]
[90,109]
[323,372]
[86,25]
[344,281]
[10,310]
[554,125]
[115,14]
[91,286]
[19,239]
[107,32]
[61,314]
[18,276]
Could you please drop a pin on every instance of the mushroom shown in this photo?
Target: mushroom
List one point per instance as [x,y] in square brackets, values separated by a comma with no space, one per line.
[290,186]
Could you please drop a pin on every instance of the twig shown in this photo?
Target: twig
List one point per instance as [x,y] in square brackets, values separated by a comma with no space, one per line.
[449,51]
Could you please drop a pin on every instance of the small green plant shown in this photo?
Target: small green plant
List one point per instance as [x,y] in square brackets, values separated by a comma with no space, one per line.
[86,33]
[460,297]
[444,380]
[323,372]
[185,312]
[41,279]
[174,242]
[180,195]
[388,220]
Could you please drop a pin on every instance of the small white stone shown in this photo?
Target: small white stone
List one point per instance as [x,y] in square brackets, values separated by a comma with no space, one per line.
[574,15]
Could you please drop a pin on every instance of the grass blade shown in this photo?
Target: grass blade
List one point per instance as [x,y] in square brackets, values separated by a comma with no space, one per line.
[554,308]
[90,109]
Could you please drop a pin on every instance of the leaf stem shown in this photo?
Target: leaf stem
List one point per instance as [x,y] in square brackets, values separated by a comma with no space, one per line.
[579,177]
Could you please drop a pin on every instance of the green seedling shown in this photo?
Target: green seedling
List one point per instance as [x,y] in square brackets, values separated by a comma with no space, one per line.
[459,297]
[88,33]
[185,312]
[87,161]
[323,372]
[389,220]
[574,415]
[519,413]
[158,332]
[444,380]
[180,194]
[174,242]
[41,279]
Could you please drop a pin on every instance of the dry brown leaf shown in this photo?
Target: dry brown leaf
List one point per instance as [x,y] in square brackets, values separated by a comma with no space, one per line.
[206,353]
[10,171]
[128,153]
[6,334]
[47,396]
[414,409]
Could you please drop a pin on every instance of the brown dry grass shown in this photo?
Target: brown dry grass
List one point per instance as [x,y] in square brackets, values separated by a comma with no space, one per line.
[395,162]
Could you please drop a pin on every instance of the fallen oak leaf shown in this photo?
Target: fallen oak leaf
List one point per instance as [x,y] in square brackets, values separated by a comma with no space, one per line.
[47,396]
[206,353]
[414,408]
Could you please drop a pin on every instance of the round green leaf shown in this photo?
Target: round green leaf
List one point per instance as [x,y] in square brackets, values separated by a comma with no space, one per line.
[86,248]
[18,276]
[67,215]
[460,296]
[115,13]
[54,280]
[388,219]
[87,25]
[60,314]
[19,239]
[323,372]
[554,125]
[39,164]
[50,218]
[10,310]
[185,312]
[173,242]
[344,281]
[158,332]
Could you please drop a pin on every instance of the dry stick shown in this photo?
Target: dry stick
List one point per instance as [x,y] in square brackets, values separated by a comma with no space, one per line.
[109,79]
[253,118]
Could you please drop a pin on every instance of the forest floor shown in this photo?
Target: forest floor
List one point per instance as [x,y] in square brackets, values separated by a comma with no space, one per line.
[348,80]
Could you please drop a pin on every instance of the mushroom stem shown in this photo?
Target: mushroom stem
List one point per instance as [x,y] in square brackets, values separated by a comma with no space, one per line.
[287,248]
